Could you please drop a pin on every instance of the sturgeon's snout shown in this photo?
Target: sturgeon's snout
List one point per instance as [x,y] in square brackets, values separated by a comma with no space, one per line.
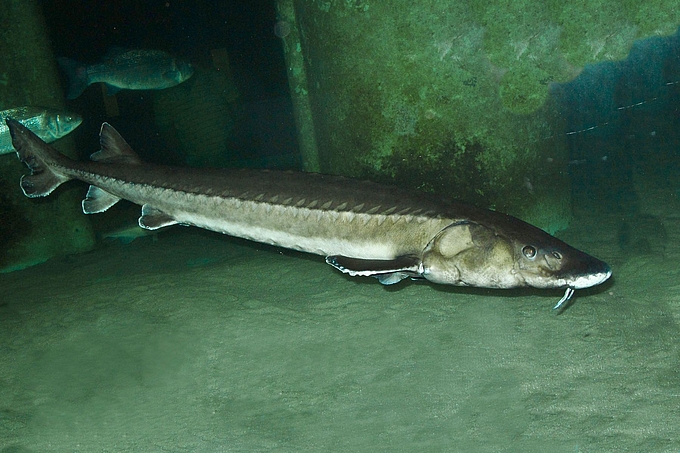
[592,272]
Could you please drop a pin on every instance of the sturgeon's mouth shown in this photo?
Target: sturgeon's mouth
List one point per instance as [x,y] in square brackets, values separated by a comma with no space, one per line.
[584,281]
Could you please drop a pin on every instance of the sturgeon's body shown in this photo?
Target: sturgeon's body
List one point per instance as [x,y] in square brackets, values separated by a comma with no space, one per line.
[362,228]
[324,215]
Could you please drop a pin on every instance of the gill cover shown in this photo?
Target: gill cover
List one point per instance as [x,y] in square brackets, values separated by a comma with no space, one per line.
[470,254]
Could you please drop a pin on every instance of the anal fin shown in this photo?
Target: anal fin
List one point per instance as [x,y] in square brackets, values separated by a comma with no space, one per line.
[153,219]
[388,272]
[98,200]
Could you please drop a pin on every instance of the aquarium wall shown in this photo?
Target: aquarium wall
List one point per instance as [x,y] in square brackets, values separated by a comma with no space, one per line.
[453,97]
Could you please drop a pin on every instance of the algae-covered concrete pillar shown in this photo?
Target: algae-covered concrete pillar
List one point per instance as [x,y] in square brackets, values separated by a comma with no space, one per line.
[32,231]
[453,96]
[289,32]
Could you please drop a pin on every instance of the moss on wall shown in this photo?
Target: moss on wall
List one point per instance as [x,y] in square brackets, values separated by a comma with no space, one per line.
[453,97]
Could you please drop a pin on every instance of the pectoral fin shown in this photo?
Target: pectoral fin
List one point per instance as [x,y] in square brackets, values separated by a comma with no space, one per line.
[388,272]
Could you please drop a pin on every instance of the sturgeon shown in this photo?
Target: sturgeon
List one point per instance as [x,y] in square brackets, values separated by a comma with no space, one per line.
[362,228]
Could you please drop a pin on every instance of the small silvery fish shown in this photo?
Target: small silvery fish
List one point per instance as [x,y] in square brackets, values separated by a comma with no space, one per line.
[48,124]
[130,70]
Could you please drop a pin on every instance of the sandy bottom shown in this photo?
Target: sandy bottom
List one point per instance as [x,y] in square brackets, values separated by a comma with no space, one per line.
[197,342]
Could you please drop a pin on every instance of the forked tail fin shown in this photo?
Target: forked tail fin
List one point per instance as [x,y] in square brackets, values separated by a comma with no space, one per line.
[39,157]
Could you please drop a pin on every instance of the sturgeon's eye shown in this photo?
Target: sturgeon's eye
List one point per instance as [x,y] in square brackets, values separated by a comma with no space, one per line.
[529,251]
[557,255]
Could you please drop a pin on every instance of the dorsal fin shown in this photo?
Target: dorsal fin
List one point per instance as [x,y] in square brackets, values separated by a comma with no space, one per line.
[114,148]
